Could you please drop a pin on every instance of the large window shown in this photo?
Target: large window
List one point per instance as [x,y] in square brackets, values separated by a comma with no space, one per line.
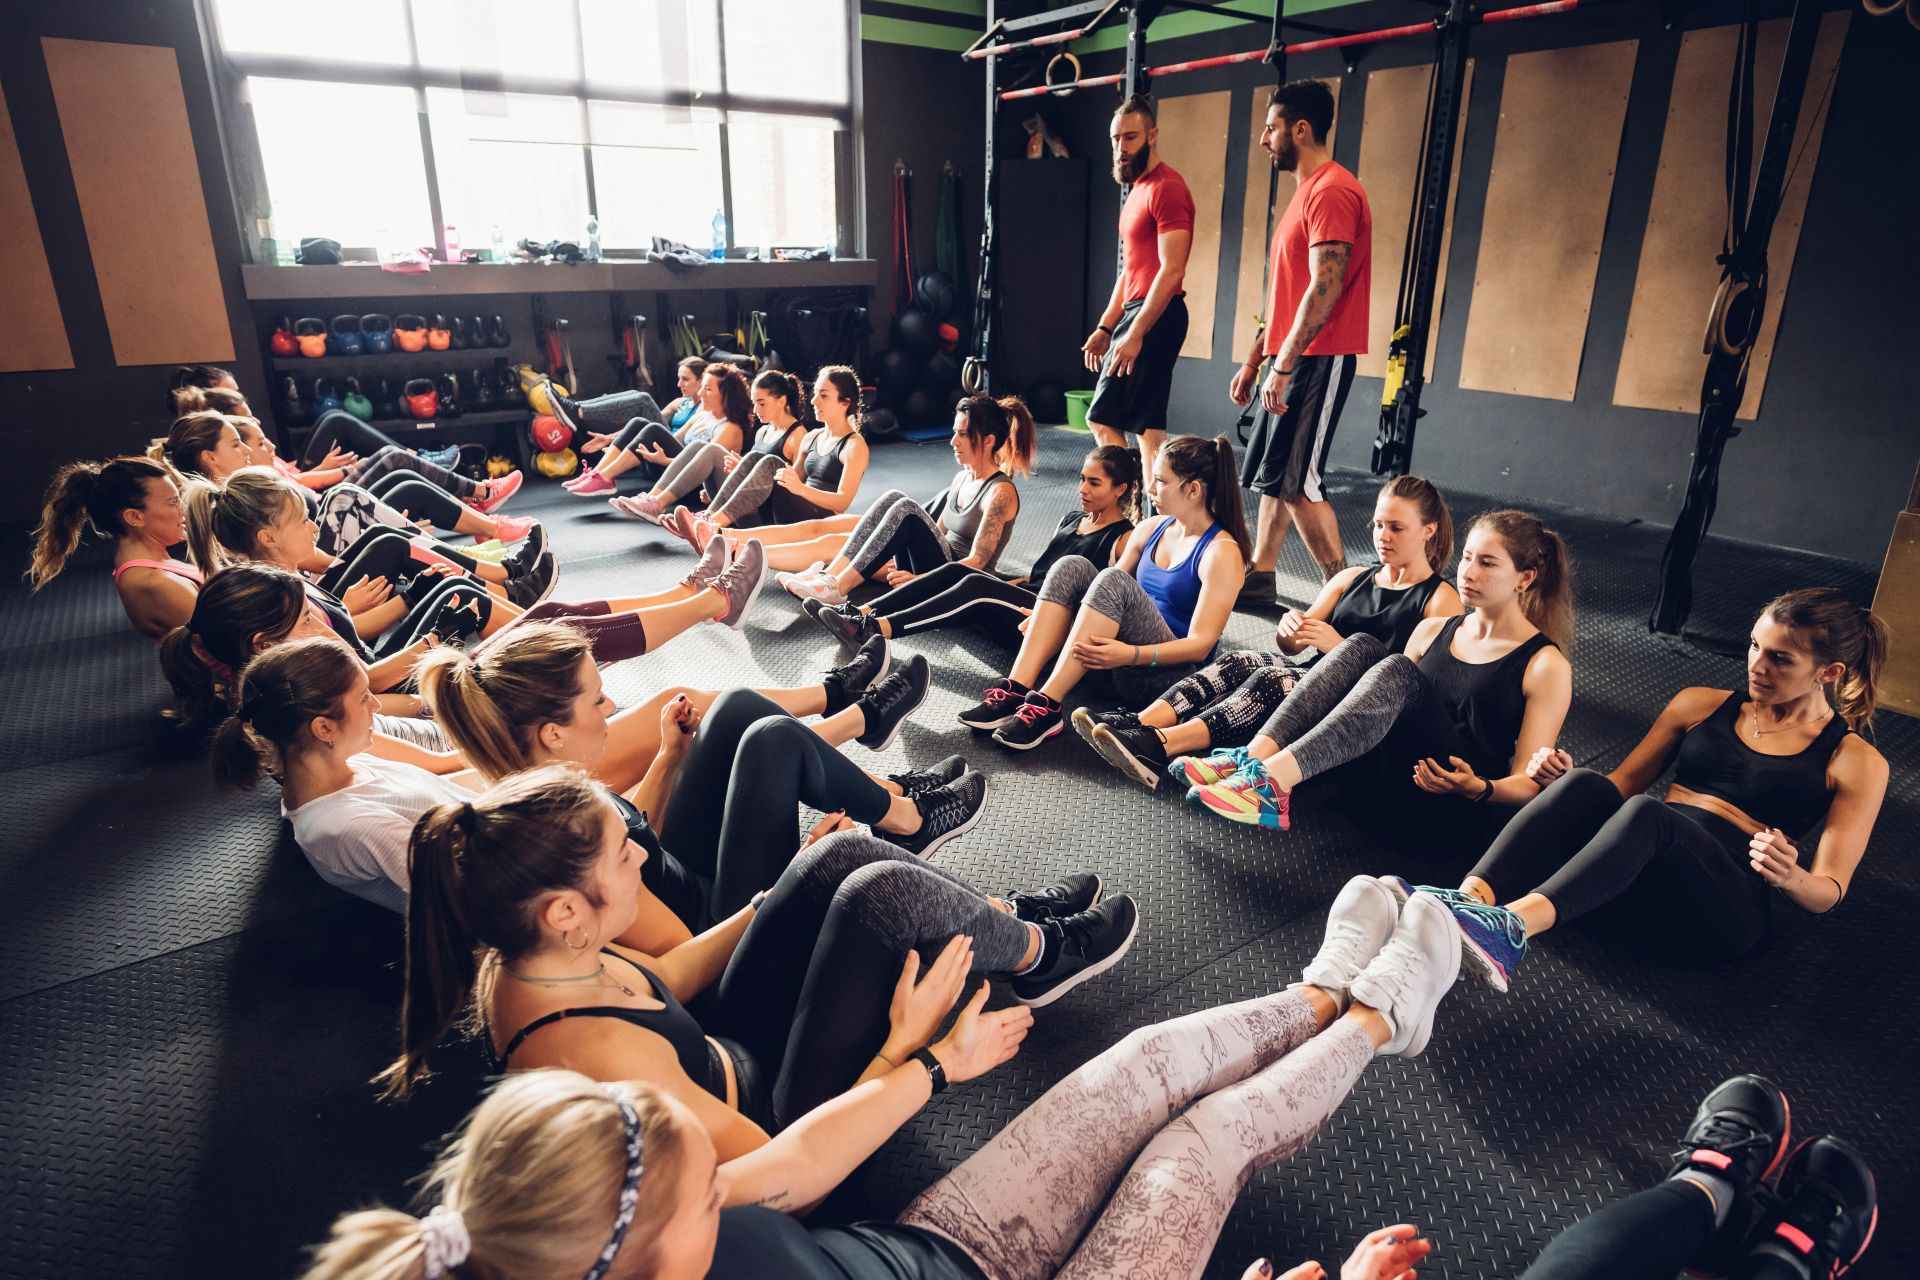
[391,120]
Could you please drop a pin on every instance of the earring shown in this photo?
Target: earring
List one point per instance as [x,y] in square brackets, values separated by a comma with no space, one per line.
[567,938]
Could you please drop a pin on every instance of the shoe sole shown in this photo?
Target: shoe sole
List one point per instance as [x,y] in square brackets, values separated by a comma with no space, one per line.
[1255,816]
[987,726]
[746,605]
[1051,733]
[933,845]
[894,732]
[1115,753]
[1087,974]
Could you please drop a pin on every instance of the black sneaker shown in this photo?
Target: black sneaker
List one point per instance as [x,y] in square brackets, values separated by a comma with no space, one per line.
[996,706]
[1739,1134]
[1067,896]
[1258,594]
[855,676]
[566,409]
[844,623]
[528,553]
[536,584]
[1084,719]
[891,699]
[1829,1206]
[945,812]
[914,783]
[1077,948]
[1136,752]
[1034,721]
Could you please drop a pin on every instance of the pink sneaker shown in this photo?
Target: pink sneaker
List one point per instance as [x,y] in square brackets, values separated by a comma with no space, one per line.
[512,528]
[592,485]
[704,532]
[679,523]
[499,489]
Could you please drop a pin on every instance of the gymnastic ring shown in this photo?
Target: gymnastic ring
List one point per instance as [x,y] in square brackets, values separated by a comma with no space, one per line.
[973,375]
[1733,326]
[1064,87]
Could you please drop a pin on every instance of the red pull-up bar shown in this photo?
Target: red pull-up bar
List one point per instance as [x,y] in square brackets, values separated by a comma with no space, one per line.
[1304,46]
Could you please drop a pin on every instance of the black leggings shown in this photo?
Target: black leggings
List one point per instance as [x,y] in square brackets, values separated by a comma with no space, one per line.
[1580,845]
[1648,1236]
[451,608]
[386,552]
[733,816]
[338,427]
[955,595]
[418,496]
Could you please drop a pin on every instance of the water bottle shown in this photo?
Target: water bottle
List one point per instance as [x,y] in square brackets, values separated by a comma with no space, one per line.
[498,243]
[593,238]
[719,234]
[453,243]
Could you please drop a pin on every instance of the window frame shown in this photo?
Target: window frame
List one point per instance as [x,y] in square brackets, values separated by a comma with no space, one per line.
[231,70]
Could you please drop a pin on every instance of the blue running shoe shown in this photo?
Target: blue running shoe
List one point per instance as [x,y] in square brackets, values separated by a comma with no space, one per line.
[1401,888]
[1492,939]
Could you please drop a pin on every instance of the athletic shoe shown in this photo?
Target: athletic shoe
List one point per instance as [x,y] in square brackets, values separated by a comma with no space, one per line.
[536,584]
[592,485]
[1739,1134]
[1363,917]
[1216,766]
[1077,948]
[945,812]
[1034,721]
[1084,719]
[1258,593]
[854,677]
[707,568]
[997,705]
[1401,888]
[845,624]
[1248,798]
[740,583]
[564,408]
[704,531]
[888,701]
[499,489]
[1493,939]
[446,459]
[1829,1207]
[679,523]
[643,506]
[528,553]
[915,783]
[1404,983]
[1068,896]
[812,586]
[1136,752]
[513,528]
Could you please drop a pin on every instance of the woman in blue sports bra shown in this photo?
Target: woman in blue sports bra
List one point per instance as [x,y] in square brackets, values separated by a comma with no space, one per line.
[1154,616]
[1755,770]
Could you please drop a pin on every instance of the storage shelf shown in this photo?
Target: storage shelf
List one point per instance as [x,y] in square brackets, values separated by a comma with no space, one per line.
[375,363]
[364,280]
[486,418]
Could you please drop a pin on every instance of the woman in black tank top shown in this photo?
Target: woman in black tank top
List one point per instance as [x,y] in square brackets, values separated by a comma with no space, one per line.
[1223,705]
[1755,770]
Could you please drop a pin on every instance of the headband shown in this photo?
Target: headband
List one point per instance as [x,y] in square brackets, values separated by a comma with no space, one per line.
[629,1189]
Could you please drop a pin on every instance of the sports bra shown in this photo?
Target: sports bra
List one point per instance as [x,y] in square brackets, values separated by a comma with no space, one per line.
[1487,700]
[1175,590]
[1788,792]
[698,1058]
[178,568]
[824,467]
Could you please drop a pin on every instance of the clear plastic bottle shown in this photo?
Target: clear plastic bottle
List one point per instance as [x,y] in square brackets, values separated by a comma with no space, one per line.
[453,243]
[719,234]
[498,243]
[593,238]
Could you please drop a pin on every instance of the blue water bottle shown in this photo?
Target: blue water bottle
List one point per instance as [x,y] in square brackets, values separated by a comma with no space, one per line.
[719,235]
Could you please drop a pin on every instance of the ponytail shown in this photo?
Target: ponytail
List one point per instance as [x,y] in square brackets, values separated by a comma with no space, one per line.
[191,437]
[1433,510]
[442,966]
[224,520]
[1835,629]
[846,384]
[1122,466]
[778,382]
[1211,463]
[1548,602]
[1016,455]
[492,706]
[86,496]
[280,694]
[236,609]
[194,377]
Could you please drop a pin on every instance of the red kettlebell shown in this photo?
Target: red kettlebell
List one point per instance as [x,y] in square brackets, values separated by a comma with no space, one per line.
[282,343]
[421,398]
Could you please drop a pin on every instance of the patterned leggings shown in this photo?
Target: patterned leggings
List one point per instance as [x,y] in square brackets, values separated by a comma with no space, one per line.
[1180,1115]
[1234,695]
[389,459]
[746,491]
[899,529]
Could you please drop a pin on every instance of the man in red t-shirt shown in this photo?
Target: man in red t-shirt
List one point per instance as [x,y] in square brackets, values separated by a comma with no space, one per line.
[1321,274]
[1145,321]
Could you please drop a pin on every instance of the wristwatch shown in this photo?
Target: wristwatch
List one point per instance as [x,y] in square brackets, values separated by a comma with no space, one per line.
[936,1072]
[1105,328]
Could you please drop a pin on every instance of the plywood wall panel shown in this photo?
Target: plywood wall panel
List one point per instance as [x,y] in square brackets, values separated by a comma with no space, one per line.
[1249,295]
[1193,130]
[1561,115]
[124,118]
[1661,363]
[32,333]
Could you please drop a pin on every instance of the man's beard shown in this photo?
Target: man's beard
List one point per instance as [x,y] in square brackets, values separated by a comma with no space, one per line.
[1128,168]
[1288,157]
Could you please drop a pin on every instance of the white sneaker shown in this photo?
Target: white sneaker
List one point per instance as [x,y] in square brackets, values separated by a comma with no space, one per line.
[1405,981]
[814,587]
[1363,918]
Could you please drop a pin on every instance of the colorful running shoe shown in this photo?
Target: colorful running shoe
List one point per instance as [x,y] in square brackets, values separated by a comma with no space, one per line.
[1402,889]
[1216,766]
[1493,939]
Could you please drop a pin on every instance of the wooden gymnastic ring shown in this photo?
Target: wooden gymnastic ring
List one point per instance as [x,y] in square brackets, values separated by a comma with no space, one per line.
[1064,87]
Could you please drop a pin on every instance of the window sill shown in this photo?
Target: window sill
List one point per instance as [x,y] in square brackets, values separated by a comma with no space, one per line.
[274,283]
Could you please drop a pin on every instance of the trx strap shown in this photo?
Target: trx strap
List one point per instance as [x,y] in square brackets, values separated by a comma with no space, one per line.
[1266,283]
[903,273]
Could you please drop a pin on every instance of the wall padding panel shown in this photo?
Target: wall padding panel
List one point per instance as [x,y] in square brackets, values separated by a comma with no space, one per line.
[125,121]
[1192,130]
[32,333]
[1661,363]
[1389,157]
[1249,295]
[1561,113]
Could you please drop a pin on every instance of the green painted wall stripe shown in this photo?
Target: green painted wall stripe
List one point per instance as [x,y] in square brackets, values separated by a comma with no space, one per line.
[975,8]
[1175,25]
[924,35]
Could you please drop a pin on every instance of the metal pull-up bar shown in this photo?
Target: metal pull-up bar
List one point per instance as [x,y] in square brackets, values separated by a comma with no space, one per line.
[1305,46]
[980,49]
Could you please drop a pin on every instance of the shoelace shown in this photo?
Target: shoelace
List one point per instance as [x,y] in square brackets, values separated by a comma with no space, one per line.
[1495,918]
[1346,947]
[1725,1134]
[1028,712]
[1078,930]
[1391,972]
[998,693]
[941,808]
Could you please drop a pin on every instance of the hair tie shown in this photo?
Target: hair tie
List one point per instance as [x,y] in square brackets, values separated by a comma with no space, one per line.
[629,1187]
[444,1238]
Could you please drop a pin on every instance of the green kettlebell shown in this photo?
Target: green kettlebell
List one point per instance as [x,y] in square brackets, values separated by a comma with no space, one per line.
[355,401]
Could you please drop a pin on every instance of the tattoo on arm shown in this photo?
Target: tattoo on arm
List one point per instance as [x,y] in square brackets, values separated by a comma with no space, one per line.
[995,526]
[1329,262]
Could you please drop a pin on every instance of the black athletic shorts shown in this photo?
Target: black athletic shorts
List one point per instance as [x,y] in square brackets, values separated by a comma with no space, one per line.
[1287,457]
[1138,402]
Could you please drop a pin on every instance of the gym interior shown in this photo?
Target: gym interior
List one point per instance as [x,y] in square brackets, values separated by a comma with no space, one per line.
[434,216]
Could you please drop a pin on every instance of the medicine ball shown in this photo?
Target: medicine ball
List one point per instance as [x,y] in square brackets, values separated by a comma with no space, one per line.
[942,374]
[898,372]
[949,337]
[935,294]
[921,410]
[1048,400]
[879,423]
[916,331]
[556,464]
[550,435]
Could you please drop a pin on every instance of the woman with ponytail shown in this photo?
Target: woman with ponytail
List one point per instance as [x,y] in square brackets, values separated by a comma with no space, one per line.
[726,413]
[135,502]
[1439,734]
[699,472]
[898,539]
[612,421]
[1157,612]
[1224,703]
[1754,771]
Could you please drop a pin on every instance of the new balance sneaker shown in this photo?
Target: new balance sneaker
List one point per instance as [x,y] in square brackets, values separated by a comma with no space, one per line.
[740,582]
[914,783]
[499,489]
[528,553]
[1829,1206]
[1077,948]
[1362,919]
[945,812]
[1034,721]
[998,702]
[707,568]
[1493,939]
[855,676]
[889,701]
[846,624]
[1739,1136]
[1135,751]
[536,584]
[1067,896]
[1216,766]
[1404,983]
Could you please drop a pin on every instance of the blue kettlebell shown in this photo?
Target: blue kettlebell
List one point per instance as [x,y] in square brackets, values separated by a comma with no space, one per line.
[345,331]
[326,396]
[376,332]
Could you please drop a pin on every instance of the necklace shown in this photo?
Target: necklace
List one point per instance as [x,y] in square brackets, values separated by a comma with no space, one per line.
[599,975]
[1758,732]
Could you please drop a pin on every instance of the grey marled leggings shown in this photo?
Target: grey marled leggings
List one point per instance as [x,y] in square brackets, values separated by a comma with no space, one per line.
[896,528]
[1345,706]
[1074,581]
[692,469]
[746,491]
[389,459]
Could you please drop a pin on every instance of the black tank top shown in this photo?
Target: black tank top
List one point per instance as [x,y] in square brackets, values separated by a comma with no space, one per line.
[772,440]
[673,1024]
[1387,614]
[1788,792]
[1067,541]
[1486,700]
[822,468]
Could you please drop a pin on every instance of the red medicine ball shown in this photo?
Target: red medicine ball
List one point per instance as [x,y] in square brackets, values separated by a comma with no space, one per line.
[550,435]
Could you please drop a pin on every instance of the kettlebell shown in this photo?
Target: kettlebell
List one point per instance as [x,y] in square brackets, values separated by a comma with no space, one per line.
[477,333]
[483,396]
[282,343]
[439,337]
[459,338]
[326,396]
[345,336]
[449,388]
[422,398]
[310,334]
[292,407]
[355,401]
[384,405]
[511,395]
[376,332]
[497,332]
[410,333]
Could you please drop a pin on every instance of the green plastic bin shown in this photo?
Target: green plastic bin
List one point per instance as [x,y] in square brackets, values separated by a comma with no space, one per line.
[1077,404]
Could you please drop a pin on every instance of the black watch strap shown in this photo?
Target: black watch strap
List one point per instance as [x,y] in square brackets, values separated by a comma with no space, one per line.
[935,1071]
[1105,328]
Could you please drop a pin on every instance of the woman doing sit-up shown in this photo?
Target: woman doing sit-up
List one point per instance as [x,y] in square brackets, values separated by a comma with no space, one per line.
[611,421]
[957,594]
[1226,701]
[1441,733]
[898,539]
[135,502]
[1755,771]
[725,416]
[1159,610]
